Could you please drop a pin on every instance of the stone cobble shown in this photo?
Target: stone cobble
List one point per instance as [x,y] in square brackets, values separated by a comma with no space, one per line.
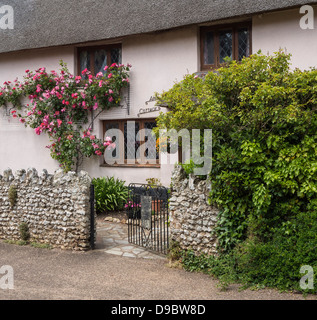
[192,218]
[54,207]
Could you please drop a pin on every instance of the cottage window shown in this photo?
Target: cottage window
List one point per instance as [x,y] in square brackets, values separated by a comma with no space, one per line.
[137,149]
[217,43]
[95,59]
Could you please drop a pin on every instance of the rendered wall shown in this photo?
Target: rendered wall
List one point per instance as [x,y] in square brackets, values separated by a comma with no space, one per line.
[19,146]
[158,60]
[281,30]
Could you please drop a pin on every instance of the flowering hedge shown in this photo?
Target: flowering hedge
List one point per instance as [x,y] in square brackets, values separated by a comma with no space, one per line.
[59,105]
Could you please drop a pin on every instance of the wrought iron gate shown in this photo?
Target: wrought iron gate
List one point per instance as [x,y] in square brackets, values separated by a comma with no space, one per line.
[92,217]
[147,211]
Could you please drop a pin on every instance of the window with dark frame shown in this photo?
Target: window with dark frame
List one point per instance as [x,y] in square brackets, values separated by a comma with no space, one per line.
[219,42]
[95,59]
[128,148]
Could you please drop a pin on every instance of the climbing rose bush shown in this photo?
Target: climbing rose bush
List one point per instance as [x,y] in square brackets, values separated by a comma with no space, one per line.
[60,105]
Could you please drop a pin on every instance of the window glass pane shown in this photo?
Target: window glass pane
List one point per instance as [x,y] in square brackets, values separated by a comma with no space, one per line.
[133,140]
[225,45]
[84,60]
[100,61]
[244,43]
[151,152]
[209,48]
[116,55]
[113,125]
[130,143]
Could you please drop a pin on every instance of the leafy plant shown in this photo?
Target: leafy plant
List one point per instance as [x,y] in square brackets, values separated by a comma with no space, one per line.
[275,263]
[264,121]
[111,194]
[153,182]
[189,167]
[17,242]
[12,194]
[174,251]
[24,231]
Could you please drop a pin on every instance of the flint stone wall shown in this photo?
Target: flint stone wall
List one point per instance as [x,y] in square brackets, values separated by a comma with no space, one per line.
[55,207]
[192,218]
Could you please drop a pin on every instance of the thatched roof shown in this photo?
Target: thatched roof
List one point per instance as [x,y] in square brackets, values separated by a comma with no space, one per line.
[45,23]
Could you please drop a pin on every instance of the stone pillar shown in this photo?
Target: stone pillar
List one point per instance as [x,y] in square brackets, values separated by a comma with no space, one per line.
[192,218]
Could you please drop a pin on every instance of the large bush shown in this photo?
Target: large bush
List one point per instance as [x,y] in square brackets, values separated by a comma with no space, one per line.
[264,175]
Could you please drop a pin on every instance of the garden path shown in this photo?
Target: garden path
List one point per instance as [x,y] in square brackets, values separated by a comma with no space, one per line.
[112,238]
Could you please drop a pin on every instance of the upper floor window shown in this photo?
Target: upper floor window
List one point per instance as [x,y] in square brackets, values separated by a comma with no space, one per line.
[219,42]
[95,59]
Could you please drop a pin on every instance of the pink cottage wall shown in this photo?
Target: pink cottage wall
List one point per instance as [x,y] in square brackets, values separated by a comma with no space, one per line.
[158,60]
[20,148]
[281,30]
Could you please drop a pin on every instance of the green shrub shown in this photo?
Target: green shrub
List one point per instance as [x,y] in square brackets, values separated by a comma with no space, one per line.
[174,251]
[111,194]
[12,194]
[277,263]
[220,267]
[24,232]
[264,121]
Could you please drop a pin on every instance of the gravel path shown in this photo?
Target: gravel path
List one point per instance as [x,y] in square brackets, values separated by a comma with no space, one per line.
[56,274]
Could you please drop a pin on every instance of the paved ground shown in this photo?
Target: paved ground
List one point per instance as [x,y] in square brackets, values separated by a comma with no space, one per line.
[112,238]
[55,274]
